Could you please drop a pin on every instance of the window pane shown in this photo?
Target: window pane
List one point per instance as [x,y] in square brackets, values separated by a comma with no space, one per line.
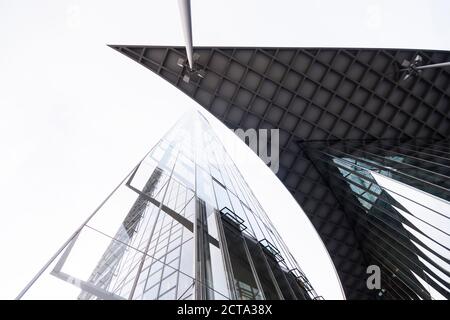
[245,283]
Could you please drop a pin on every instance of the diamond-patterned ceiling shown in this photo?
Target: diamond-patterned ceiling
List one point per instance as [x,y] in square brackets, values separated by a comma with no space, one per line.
[312,95]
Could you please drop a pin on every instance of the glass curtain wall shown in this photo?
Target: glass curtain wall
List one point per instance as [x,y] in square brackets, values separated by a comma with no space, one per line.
[183,225]
[397,194]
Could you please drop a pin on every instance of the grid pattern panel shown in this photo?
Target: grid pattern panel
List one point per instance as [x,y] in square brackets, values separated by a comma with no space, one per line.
[310,95]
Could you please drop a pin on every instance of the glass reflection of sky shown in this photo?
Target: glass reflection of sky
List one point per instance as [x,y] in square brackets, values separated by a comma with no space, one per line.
[430,215]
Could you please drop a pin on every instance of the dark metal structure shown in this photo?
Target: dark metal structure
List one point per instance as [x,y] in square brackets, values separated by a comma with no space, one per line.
[311,95]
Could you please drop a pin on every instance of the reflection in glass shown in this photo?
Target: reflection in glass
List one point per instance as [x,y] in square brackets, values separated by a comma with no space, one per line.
[397,195]
[162,233]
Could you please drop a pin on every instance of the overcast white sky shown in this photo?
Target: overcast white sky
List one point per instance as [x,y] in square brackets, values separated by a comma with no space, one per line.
[76,115]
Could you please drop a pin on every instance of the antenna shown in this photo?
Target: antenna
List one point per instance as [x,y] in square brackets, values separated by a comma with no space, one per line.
[190,67]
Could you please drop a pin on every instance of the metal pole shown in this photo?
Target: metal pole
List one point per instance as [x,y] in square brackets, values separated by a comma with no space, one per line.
[431,66]
[185,11]
[436,65]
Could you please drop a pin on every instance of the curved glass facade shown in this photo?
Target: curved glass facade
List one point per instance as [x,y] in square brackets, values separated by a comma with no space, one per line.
[397,194]
[183,225]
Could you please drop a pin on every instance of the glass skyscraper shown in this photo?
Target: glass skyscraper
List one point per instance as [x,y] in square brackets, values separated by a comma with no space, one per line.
[182,225]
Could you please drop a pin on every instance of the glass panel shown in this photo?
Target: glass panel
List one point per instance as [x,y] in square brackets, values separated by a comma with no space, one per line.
[184,171]
[204,186]
[280,277]
[245,283]
[222,197]
[219,277]
[262,269]
[299,292]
